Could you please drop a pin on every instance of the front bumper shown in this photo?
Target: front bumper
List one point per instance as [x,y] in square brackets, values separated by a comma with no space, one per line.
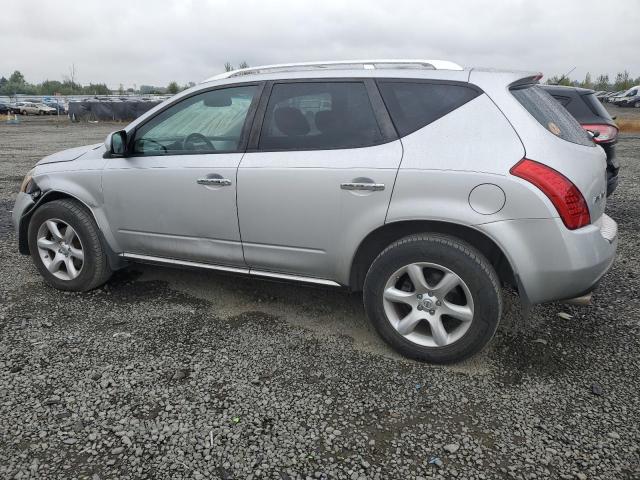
[552,262]
[24,203]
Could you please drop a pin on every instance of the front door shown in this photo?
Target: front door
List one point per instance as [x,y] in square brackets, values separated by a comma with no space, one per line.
[175,195]
[319,178]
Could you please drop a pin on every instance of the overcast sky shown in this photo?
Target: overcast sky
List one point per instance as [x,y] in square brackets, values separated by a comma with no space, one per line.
[157,41]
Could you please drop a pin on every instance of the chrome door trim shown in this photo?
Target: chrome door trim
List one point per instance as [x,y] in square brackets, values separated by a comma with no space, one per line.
[185,263]
[295,278]
[223,268]
[373,187]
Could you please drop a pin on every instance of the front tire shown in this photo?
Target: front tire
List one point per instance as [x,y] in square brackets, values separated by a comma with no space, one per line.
[65,245]
[433,297]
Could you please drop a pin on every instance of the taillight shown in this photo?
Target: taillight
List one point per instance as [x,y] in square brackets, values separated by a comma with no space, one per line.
[564,195]
[607,133]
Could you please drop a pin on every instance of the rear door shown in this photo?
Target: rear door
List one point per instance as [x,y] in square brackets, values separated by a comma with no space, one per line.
[317,177]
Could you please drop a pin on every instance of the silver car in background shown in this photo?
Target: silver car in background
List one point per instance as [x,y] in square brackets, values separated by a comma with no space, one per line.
[424,185]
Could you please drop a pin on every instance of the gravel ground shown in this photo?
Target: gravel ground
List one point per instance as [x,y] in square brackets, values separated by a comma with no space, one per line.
[183,374]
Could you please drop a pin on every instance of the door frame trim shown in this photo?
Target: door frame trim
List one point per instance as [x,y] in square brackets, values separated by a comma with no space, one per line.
[224,268]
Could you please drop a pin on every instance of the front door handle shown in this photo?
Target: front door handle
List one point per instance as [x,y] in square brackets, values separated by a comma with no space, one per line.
[372,187]
[222,182]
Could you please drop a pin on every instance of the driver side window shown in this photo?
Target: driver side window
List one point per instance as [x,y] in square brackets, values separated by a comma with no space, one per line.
[207,122]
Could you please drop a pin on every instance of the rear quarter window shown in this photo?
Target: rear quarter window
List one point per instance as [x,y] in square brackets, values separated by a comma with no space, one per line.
[413,105]
[552,115]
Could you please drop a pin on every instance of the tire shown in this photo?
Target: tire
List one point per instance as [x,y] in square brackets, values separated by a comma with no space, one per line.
[76,258]
[475,301]
[24,112]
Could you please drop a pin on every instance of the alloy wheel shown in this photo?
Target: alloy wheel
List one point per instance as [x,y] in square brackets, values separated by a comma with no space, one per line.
[60,249]
[428,304]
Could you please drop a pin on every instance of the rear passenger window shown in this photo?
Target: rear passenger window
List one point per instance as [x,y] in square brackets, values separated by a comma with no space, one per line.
[412,105]
[319,116]
[551,115]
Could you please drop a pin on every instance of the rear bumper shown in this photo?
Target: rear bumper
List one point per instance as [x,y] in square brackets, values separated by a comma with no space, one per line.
[552,262]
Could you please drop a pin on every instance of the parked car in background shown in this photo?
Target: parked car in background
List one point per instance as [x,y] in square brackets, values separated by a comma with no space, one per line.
[614,96]
[30,108]
[630,99]
[622,98]
[58,107]
[423,185]
[593,117]
[5,108]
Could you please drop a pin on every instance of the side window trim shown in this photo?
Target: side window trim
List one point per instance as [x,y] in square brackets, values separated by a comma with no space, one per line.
[383,117]
[244,135]
[380,112]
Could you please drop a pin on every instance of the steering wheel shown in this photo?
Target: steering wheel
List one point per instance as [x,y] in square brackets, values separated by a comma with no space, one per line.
[151,140]
[191,139]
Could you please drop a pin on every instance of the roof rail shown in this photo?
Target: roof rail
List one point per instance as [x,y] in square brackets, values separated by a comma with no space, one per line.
[340,64]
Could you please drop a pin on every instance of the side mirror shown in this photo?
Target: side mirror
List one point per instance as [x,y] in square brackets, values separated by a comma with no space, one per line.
[116,143]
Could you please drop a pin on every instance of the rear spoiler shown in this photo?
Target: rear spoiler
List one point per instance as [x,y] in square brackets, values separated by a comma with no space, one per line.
[526,81]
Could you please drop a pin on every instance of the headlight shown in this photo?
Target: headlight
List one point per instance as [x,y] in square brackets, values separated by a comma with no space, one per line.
[26,182]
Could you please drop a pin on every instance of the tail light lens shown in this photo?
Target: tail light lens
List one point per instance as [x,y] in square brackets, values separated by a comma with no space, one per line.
[607,133]
[564,195]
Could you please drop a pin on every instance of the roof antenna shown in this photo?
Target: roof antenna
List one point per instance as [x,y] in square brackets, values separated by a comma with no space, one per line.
[566,75]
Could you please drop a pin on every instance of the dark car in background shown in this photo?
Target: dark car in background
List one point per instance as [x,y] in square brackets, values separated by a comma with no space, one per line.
[4,108]
[591,114]
[57,106]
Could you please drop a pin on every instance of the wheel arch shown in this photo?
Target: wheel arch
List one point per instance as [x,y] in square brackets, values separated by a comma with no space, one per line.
[377,240]
[115,261]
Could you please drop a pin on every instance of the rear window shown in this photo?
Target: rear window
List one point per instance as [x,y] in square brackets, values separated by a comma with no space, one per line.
[595,106]
[412,105]
[551,115]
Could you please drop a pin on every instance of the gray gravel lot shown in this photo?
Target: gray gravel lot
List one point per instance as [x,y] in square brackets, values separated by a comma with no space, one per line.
[169,373]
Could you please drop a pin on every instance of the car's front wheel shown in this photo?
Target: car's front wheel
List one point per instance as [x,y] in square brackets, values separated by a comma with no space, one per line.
[433,297]
[65,245]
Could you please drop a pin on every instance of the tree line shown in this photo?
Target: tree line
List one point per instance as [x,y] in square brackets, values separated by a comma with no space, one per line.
[621,81]
[17,84]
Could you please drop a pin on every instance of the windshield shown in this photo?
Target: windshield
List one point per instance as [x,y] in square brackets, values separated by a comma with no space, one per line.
[551,115]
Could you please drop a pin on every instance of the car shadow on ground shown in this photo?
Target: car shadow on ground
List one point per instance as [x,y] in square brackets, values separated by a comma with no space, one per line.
[539,345]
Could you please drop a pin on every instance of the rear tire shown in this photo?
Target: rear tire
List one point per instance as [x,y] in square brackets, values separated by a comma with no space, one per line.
[433,297]
[65,245]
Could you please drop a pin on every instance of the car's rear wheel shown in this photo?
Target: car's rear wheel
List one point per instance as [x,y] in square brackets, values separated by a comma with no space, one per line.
[24,112]
[433,298]
[65,245]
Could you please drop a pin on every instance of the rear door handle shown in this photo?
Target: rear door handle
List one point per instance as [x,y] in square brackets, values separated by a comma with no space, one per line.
[373,187]
[223,182]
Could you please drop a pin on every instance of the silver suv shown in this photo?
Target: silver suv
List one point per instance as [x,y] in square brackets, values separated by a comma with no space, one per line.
[424,185]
